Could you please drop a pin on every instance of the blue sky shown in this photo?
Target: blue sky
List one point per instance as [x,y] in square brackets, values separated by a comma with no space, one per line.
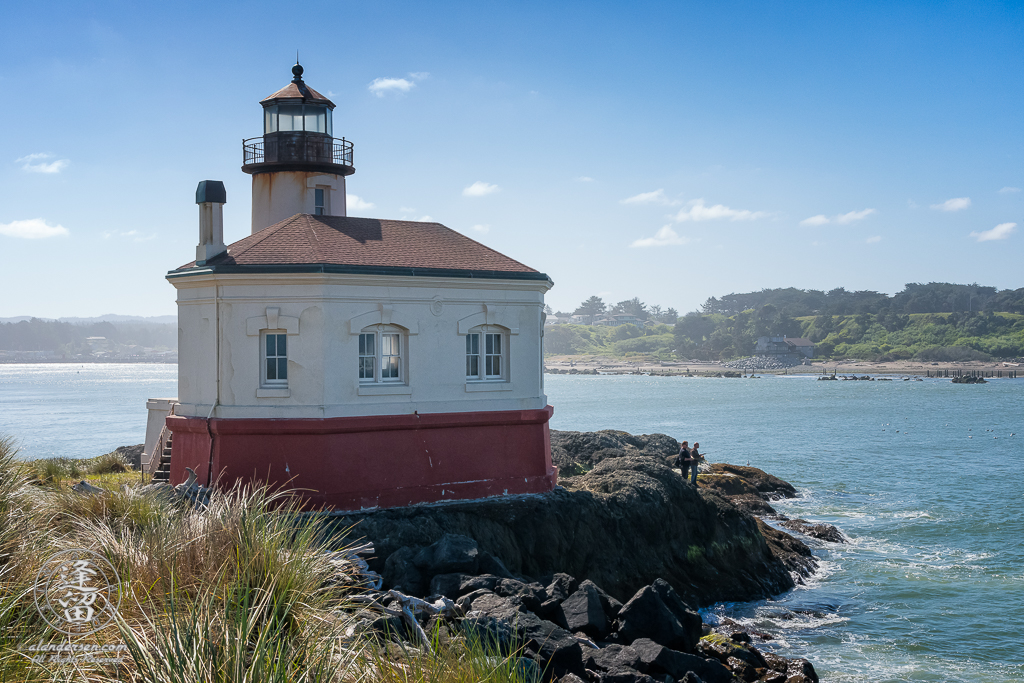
[670,151]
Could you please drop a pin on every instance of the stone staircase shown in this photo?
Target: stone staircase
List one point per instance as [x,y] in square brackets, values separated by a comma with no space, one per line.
[163,470]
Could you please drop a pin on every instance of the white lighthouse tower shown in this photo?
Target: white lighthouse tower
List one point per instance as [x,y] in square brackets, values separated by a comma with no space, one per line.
[297,165]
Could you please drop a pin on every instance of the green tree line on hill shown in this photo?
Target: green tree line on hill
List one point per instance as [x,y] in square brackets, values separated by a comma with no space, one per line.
[936,321]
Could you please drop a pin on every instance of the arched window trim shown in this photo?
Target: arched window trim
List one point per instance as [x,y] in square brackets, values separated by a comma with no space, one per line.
[487,350]
[383,355]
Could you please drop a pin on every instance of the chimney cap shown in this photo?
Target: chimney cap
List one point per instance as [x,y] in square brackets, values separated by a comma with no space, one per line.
[211,191]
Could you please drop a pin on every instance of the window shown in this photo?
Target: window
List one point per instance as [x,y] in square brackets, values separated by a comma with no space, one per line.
[318,201]
[275,359]
[380,355]
[485,356]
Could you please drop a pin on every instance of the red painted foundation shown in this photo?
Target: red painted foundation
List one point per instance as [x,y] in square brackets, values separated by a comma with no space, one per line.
[352,463]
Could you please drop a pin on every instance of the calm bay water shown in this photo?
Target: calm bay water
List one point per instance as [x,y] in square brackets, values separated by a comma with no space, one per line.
[80,410]
[923,477]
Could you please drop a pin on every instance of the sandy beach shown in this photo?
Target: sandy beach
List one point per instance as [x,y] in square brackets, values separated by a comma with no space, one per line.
[608,365]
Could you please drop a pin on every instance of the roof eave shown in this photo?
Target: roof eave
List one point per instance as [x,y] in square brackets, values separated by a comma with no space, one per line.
[342,269]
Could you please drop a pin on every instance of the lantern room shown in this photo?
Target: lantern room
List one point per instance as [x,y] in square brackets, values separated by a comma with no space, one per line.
[297,165]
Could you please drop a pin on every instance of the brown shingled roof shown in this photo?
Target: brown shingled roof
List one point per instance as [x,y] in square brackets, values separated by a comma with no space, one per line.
[305,239]
[292,90]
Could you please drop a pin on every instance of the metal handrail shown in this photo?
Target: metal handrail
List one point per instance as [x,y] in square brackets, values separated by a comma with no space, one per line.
[315,149]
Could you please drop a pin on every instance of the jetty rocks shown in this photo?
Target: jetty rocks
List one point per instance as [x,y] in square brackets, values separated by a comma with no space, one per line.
[599,580]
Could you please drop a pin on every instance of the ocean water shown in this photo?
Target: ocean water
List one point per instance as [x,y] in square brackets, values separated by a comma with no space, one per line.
[80,410]
[923,477]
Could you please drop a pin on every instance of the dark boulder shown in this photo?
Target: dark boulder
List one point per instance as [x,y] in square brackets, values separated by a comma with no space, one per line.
[658,659]
[448,585]
[401,574]
[584,612]
[613,657]
[550,646]
[648,615]
[821,531]
[489,564]
[561,586]
[451,553]
[624,676]
[530,595]
[722,649]
[496,635]
[801,671]
[610,605]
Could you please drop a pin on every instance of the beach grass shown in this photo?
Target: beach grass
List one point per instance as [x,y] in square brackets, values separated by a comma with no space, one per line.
[248,588]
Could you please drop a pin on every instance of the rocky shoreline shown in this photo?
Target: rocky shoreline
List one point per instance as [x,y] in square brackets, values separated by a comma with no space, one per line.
[599,580]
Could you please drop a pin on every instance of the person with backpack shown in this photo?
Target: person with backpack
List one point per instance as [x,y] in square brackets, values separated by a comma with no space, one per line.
[683,459]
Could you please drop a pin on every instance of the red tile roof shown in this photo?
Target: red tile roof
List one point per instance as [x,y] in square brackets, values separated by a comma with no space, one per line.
[308,240]
[292,90]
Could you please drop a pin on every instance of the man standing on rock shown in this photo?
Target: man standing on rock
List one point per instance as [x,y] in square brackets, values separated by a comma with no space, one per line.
[695,458]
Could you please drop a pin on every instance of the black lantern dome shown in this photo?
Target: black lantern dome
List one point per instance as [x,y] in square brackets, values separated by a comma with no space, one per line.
[298,134]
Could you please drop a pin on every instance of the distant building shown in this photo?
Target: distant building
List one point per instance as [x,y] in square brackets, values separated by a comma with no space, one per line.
[784,346]
[805,347]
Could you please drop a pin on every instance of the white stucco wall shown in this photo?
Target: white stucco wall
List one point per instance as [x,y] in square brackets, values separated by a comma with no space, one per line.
[323,314]
[282,194]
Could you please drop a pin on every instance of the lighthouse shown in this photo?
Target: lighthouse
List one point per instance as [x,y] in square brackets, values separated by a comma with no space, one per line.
[367,362]
[297,165]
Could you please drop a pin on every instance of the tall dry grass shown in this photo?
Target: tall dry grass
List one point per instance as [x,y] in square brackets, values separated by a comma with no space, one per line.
[246,589]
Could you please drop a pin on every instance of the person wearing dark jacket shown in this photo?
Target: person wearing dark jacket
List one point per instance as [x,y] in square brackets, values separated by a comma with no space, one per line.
[683,459]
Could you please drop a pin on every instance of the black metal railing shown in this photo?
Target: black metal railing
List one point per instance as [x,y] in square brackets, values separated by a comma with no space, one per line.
[297,147]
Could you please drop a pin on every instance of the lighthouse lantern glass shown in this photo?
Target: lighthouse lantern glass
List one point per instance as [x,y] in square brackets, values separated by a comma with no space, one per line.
[270,120]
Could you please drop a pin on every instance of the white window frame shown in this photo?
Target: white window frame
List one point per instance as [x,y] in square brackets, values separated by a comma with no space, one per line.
[266,382]
[324,209]
[378,333]
[477,339]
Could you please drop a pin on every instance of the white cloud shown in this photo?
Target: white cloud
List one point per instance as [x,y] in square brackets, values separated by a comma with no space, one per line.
[1009,190]
[407,209]
[955,204]
[1000,232]
[841,219]
[34,228]
[483,229]
[697,211]
[356,203]
[820,219]
[382,86]
[874,240]
[584,179]
[656,197]
[663,238]
[852,216]
[479,189]
[426,219]
[34,163]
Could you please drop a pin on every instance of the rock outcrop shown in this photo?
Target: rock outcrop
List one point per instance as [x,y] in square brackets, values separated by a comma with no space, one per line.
[626,522]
